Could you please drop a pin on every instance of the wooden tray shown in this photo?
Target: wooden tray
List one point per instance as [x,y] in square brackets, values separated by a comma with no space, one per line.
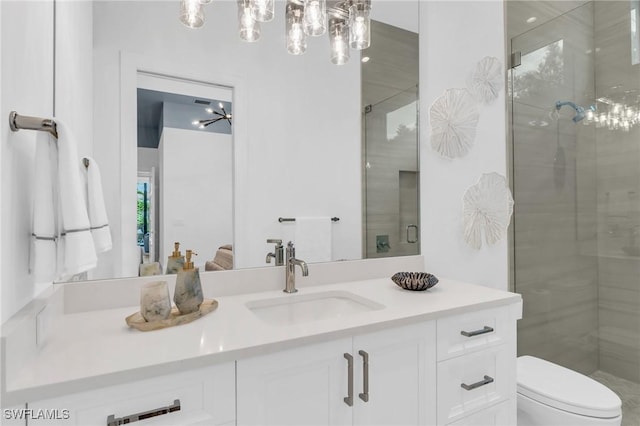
[138,322]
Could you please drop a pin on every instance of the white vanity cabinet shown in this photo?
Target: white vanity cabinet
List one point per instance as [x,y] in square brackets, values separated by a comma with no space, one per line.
[203,396]
[327,383]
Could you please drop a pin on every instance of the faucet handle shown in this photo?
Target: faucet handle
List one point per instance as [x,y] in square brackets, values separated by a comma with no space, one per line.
[274,241]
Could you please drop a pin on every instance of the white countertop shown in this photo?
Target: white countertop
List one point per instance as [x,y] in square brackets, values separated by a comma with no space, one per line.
[92,349]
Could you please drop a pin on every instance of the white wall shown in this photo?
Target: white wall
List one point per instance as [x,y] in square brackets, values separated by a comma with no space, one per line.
[28,87]
[197,192]
[454,35]
[300,153]
[147,158]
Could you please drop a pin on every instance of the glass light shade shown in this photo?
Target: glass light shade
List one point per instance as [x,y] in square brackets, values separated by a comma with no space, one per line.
[263,10]
[205,1]
[191,13]
[249,27]
[339,39]
[359,25]
[315,17]
[296,38]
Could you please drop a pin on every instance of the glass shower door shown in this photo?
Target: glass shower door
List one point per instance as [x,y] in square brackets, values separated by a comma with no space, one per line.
[554,183]
[392,176]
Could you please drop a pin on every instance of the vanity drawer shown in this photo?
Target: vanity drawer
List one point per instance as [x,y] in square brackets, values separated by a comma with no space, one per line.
[205,396]
[498,415]
[461,334]
[472,382]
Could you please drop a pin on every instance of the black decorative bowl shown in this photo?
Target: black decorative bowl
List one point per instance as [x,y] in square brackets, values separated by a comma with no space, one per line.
[416,281]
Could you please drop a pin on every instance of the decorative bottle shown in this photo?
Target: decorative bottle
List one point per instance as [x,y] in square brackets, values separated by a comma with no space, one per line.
[175,262]
[188,291]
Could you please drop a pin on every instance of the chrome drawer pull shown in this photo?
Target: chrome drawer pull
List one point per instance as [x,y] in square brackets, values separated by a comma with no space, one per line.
[476,385]
[365,375]
[349,398]
[112,421]
[485,329]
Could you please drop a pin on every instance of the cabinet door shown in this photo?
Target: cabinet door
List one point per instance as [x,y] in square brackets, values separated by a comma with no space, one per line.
[401,376]
[301,386]
[498,415]
[472,382]
[204,396]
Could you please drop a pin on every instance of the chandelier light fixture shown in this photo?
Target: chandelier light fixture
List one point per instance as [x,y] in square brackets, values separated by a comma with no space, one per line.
[296,37]
[614,115]
[347,22]
[192,13]
[339,38]
[249,25]
[359,24]
[217,116]
[262,10]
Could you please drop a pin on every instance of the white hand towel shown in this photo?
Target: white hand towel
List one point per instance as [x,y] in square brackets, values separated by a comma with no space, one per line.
[75,243]
[313,239]
[97,211]
[43,233]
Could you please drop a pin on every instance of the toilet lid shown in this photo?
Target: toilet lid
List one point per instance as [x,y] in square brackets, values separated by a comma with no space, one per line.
[565,389]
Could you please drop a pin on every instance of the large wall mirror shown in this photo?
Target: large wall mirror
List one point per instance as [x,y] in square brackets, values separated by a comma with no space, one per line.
[301,137]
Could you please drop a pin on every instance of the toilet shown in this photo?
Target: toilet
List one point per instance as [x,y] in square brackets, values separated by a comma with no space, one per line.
[551,395]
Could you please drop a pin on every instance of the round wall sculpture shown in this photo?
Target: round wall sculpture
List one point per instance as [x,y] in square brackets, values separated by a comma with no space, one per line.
[486,81]
[454,115]
[453,118]
[487,209]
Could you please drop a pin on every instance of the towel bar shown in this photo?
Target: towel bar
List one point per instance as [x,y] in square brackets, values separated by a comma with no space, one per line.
[293,219]
[19,122]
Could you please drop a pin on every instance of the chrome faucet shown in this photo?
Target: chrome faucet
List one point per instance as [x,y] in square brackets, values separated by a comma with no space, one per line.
[278,252]
[290,275]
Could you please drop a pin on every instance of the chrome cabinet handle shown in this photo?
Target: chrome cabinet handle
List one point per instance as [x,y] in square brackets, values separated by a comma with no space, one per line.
[409,240]
[349,398]
[112,421]
[476,385]
[485,329]
[365,376]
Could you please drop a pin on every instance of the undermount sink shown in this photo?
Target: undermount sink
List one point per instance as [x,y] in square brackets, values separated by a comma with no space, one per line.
[300,308]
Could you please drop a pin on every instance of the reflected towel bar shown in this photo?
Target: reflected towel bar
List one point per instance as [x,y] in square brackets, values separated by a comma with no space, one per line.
[293,219]
[19,122]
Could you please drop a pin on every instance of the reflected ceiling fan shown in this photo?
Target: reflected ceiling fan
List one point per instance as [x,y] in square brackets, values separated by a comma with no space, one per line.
[224,115]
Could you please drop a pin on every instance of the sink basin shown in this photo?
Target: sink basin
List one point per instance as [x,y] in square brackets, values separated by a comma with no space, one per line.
[296,309]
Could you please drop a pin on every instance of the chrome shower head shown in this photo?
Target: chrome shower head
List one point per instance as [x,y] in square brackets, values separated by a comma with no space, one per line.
[580,112]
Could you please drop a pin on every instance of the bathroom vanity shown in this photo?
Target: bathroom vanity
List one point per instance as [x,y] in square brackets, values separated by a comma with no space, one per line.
[354,351]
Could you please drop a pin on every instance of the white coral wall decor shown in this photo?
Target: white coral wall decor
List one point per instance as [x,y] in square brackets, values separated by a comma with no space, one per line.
[487,209]
[487,79]
[453,118]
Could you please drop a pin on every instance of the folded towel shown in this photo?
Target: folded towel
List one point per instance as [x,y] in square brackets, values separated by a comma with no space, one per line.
[96,209]
[76,251]
[313,239]
[210,265]
[43,261]
[224,258]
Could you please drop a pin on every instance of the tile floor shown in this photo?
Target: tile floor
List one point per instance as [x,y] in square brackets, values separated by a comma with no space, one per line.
[628,391]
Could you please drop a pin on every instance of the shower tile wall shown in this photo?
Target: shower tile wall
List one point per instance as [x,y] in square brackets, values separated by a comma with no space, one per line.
[618,178]
[555,193]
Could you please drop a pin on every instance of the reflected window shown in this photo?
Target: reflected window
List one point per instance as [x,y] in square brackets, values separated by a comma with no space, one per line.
[635,32]
[402,121]
[143,212]
[541,68]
